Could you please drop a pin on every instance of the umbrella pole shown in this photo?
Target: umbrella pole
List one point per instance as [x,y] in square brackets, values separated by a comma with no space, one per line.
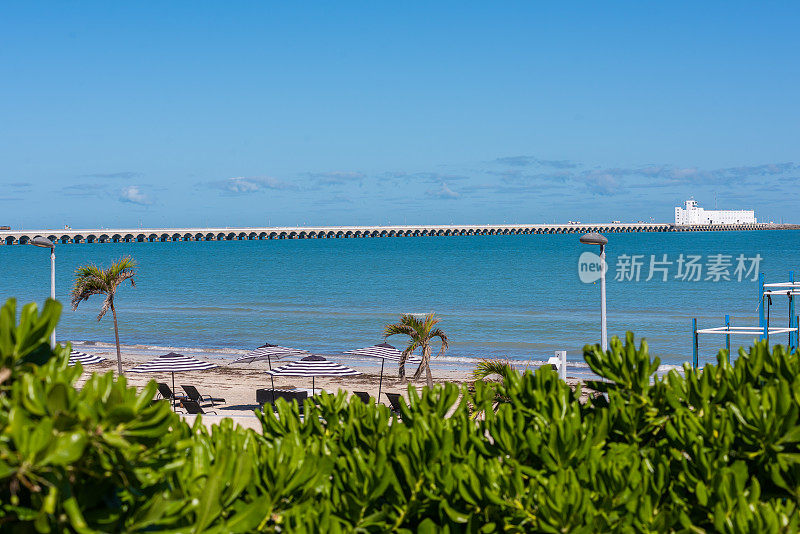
[380,383]
[271,379]
[174,409]
[312,386]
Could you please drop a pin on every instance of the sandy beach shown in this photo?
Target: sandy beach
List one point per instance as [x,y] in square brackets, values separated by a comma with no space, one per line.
[237,383]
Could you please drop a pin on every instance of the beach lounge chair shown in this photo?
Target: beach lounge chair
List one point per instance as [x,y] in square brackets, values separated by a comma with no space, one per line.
[192,407]
[394,401]
[195,395]
[363,395]
[167,393]
[264,396]
[288,396]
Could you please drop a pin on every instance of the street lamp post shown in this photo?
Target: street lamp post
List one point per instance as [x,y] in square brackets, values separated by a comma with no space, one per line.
[596,239]
[46,243]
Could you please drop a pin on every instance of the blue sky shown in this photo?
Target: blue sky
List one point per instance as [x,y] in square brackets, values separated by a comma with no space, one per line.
[255,113]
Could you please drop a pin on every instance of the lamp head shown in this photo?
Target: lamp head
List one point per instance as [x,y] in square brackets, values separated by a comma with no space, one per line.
[42,242]
[593,238]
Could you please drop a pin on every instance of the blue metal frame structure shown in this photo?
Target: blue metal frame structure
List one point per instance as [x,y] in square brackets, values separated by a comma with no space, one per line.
[789,289]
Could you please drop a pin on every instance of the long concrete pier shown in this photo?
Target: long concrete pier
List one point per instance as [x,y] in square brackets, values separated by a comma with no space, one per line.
[152,235]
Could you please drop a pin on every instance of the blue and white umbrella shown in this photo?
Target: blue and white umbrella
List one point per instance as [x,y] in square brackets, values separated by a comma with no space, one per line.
[384,351]
[312,366]
[269,352]
[172,363]
[83,358]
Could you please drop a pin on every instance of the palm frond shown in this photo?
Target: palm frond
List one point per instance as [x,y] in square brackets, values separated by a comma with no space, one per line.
[394,329]
[124,265]
[430,321]
[84,288]
[127,275]
[438,332]
[489,367]
[93,280]
[89,271]
[76,297]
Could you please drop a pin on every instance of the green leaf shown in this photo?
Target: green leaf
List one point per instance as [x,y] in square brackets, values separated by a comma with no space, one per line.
[65,448]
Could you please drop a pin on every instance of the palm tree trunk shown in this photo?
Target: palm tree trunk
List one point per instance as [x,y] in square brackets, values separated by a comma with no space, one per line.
[116,335]
[425,364]
[428,366]
[428,369]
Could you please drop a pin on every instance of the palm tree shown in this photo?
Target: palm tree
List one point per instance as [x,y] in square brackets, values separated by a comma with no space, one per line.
[492,371]
[421,332]
[93,280]
[491,367]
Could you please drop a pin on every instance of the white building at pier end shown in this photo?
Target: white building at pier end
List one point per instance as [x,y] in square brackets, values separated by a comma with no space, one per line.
[692,214]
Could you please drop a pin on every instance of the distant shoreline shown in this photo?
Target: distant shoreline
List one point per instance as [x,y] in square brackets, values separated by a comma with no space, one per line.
[153,235]
[451,366]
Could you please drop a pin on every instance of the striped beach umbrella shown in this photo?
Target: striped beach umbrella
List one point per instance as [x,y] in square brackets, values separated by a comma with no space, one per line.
[83,358]
[312,366]
[269,352]
[384,351]
[172,363]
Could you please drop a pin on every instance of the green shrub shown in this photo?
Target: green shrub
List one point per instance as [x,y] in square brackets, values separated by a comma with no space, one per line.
[711,450]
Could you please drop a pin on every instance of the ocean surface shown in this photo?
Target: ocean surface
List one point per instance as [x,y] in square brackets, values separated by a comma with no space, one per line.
[516,297]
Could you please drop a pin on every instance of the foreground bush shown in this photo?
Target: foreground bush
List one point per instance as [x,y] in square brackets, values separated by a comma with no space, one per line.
[714,450]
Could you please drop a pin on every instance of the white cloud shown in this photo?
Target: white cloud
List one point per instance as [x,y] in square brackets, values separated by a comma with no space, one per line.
[445,192]
[337,178]
[134,195]
[243,185]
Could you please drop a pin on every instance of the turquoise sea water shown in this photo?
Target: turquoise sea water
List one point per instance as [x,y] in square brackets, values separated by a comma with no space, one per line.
[497,296]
